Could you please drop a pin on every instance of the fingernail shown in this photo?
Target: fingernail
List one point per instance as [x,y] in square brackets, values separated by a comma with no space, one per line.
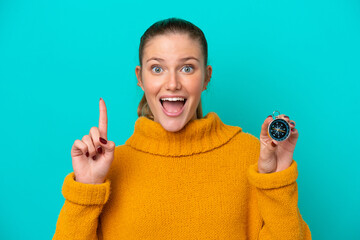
[292,123]
[99,150]
[94,157]
[273,144]
[269,116]
[293,129]
[102,140]
[87,154]
[286,117]
[100,99]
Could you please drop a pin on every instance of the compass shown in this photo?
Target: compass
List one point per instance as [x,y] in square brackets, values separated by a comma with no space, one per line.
[278,129]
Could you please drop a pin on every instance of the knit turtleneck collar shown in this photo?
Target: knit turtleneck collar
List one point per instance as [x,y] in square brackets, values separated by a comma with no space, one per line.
[199,135]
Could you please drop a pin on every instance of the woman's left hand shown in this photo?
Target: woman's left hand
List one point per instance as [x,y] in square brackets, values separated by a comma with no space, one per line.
[276,156]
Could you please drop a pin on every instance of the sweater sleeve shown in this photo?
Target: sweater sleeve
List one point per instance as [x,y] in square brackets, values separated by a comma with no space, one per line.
[78,218]
[277,199]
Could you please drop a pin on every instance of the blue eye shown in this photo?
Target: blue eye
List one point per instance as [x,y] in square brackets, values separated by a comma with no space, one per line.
[188,66]
[156,67]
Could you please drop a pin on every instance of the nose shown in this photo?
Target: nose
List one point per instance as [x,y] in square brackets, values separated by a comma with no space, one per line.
[173,82]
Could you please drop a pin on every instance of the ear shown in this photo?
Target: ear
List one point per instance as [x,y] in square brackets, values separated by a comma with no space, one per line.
[208,76]
[138,76]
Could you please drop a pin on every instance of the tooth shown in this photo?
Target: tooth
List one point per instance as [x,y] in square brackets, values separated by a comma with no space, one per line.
[173,99]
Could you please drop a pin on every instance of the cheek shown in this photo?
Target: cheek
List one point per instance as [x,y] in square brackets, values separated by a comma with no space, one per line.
[195,87]
[151,85]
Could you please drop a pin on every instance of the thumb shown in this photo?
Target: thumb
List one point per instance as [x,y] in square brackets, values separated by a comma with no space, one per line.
[267,161]
[268,152]
[108,146]
[265,126]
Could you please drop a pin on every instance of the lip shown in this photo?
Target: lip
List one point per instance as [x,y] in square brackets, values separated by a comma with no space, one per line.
[169,114]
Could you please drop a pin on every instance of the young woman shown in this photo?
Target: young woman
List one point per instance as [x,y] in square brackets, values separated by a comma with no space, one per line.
[181,175]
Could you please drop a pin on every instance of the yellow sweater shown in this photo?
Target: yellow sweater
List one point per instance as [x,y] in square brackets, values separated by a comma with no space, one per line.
[199,183]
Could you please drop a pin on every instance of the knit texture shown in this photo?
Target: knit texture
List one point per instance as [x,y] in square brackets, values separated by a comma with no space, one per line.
[201,182]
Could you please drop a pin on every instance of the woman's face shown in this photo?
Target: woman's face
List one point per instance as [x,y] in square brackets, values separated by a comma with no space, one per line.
[173,65]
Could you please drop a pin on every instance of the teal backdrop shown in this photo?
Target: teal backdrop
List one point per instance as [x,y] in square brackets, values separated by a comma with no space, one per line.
[57,58]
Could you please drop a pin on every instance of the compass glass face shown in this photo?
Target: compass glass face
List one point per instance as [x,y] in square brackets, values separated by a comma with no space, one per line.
[279,129]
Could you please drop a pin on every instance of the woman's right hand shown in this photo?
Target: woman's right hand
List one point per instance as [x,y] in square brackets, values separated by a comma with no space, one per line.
[92,158]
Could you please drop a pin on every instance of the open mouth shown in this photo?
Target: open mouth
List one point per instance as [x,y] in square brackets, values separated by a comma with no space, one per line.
[173,105]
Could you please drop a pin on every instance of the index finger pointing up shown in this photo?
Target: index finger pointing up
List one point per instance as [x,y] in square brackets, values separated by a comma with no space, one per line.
[103,119]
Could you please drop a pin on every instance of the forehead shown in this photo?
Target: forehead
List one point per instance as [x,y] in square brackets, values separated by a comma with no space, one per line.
[172,46]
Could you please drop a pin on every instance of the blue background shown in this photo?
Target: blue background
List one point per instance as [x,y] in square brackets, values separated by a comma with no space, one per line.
[57,58]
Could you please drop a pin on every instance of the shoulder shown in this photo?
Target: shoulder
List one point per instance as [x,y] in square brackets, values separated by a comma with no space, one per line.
[247,140]
[246,146]
[239,134]
[243,136]
[122,158]
[121,150]
[246,136]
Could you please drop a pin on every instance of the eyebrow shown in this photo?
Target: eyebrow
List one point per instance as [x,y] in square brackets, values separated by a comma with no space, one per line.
[182,59]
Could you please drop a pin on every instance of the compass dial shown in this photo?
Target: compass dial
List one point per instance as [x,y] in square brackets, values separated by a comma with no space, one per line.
[279,130]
